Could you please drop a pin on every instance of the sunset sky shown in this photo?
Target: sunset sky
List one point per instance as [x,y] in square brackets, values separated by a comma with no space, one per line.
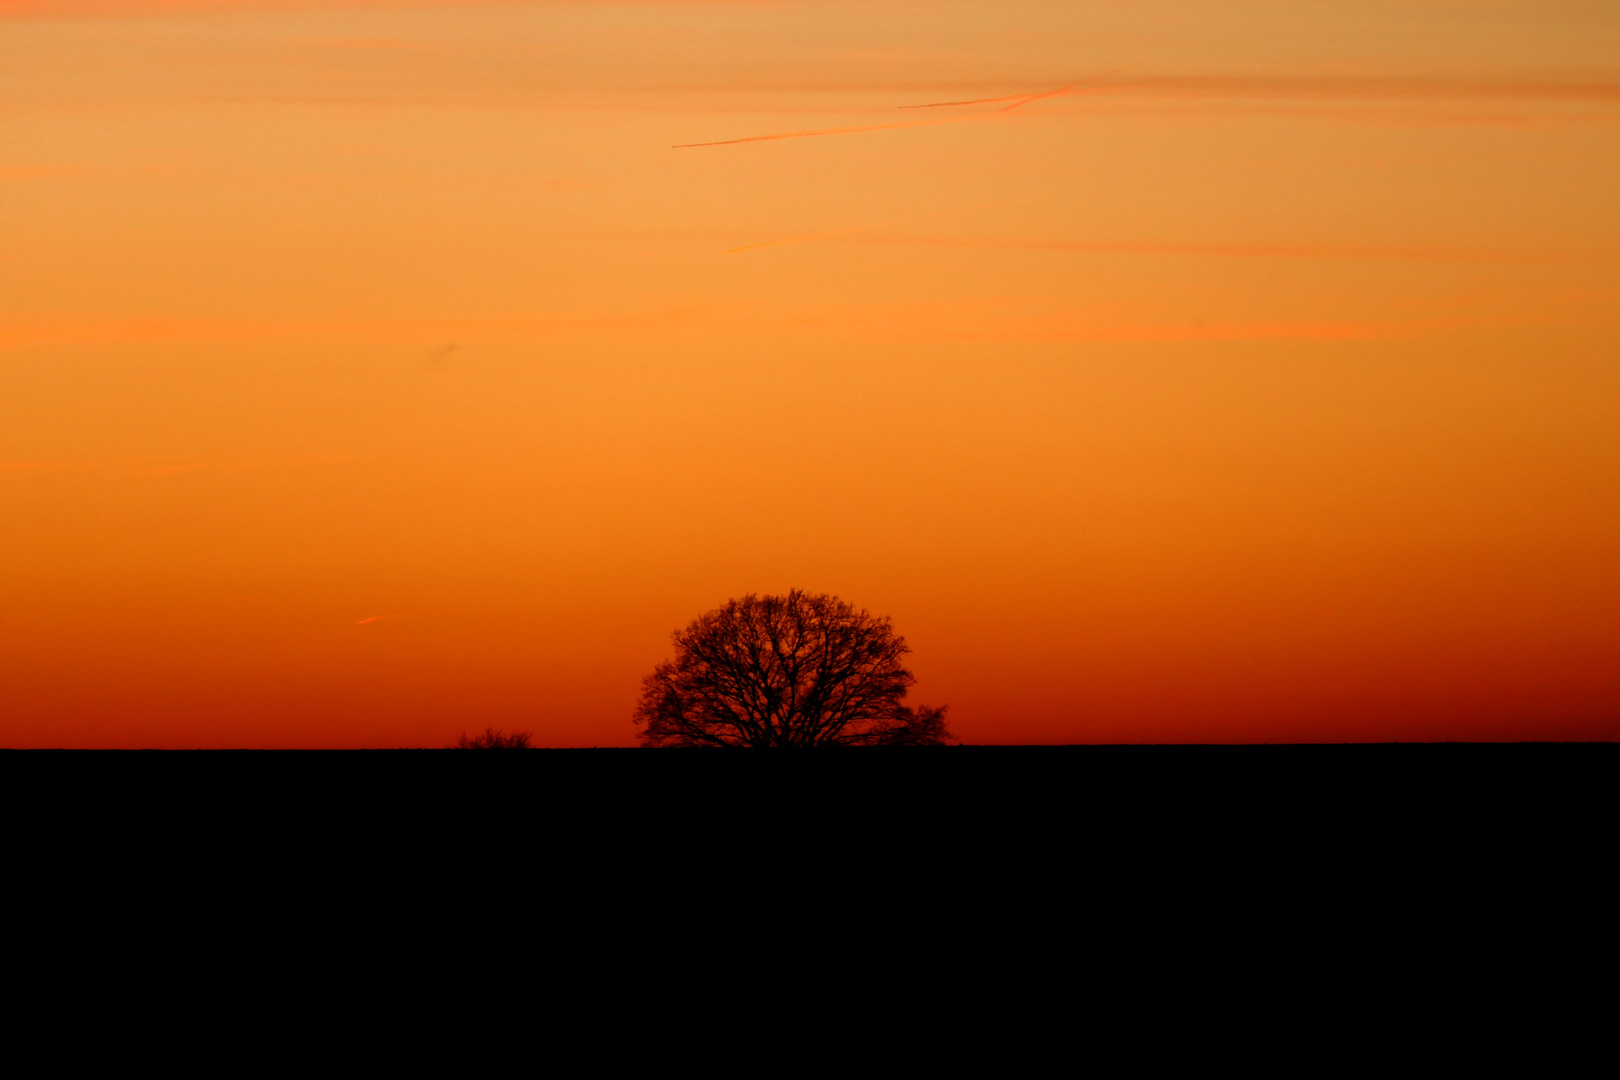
[1173,370]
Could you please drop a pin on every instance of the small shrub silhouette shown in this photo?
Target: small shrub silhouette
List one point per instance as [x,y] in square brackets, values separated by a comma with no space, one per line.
[493,739]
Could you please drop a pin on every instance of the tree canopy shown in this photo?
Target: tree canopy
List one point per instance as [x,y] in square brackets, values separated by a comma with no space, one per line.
[799,670]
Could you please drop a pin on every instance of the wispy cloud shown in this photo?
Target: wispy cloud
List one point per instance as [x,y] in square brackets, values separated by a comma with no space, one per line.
[34,9]
[1017,100]
[1352,87]
[1062,328]
[1222,249]
[1037,97]
[970,101]
[24,332]
[1306,88]
[162,465]
[824,131]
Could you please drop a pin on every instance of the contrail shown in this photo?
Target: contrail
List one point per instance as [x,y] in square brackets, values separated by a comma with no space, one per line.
[1037,97]
[374,618]
[975,101]
[1018,101]
[821,131]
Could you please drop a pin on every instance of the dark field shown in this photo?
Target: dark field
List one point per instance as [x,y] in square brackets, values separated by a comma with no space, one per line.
[960,790]
[1093,844]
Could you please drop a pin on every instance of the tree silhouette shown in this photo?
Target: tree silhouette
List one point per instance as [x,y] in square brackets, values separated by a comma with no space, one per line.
[786,671]
[492,739]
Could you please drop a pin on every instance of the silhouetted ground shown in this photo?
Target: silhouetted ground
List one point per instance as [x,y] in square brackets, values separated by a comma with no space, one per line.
[1078,797]
[1135,871]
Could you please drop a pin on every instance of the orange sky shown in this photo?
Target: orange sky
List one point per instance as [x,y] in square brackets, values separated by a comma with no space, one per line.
[1219,371]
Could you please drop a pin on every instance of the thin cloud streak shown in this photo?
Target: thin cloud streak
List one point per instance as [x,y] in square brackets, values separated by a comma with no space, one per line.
[1037,97]
[374,618]
[113,9]
[1353,87]
[1235,249]
[172,466]
[1061,329]
[887,322]
[1116,82]
[1018,101]
[20,333]
[974,101]
[825,131]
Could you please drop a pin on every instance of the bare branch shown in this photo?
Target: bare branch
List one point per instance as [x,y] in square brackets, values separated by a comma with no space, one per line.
[786,671]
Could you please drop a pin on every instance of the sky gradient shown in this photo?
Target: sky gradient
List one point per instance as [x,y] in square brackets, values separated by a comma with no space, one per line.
[1168,371]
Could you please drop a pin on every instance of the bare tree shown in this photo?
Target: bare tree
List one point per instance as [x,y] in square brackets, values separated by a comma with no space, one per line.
[786,671]
[493,739]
